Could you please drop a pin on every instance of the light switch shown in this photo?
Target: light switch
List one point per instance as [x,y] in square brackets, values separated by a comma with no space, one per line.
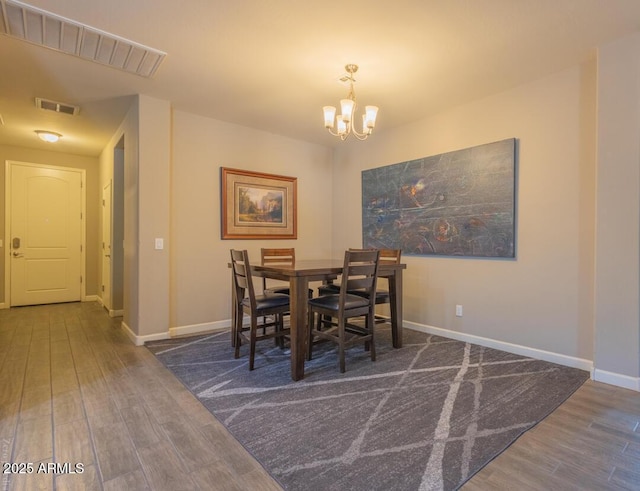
[159,244]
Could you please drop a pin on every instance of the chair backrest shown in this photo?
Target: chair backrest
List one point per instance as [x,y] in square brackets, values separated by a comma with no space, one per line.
[387,256]
[286,256]
[390,256]
[242,279]
[281,256]
[360,272]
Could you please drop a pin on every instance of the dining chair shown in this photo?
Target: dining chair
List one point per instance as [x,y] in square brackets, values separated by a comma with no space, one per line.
[263,307]
[387,256]
[283,256]
[360,272]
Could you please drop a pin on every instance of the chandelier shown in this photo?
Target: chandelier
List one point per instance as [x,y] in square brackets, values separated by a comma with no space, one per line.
[348,106]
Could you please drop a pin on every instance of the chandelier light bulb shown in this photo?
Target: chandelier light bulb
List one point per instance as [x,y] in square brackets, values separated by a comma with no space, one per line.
[371,112]
[329,116]
[347,106]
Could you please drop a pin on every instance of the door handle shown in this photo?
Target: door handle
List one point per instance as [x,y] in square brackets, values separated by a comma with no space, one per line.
[17,254]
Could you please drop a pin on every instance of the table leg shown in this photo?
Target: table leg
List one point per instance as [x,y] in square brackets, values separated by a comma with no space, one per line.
[233,310]
[395,299]
[298,291]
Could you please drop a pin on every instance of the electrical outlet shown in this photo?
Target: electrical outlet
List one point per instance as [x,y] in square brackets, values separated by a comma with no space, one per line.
[458,310]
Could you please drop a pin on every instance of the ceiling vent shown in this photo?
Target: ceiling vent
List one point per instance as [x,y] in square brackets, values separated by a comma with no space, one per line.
[59,107]
[45,29]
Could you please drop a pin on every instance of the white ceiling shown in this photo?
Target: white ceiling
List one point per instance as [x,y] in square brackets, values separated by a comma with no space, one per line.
[273,64]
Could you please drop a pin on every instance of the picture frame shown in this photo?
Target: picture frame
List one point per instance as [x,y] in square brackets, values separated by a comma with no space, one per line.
[256,205]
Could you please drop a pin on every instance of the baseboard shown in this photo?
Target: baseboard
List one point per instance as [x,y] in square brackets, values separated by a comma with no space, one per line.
[175,331]
[4,305]
[568,361]
[111,312]
[140,340]
[130,334]
[617,379]
[199,328]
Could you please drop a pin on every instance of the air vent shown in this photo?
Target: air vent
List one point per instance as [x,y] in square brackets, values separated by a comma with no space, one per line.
[45,29]
[58,107]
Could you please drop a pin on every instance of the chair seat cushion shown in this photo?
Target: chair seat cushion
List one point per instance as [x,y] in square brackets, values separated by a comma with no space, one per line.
[329,289]
[268,301]
[283,290]
[277,289]
[331,302]
[382,296]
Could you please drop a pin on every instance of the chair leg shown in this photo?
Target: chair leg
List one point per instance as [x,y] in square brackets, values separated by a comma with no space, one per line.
[252,344]
[309,334]
[277,329]
[341,339]
[280,329]
[371,322]
[367,344]
[237,329]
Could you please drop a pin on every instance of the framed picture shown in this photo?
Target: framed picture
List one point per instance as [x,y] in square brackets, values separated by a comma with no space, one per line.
[257,205]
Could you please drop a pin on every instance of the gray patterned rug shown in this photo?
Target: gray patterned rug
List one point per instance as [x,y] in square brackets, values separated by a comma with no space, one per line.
[427,416]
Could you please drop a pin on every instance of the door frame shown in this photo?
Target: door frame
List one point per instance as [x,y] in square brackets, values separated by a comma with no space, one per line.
[7,225]
[109,290]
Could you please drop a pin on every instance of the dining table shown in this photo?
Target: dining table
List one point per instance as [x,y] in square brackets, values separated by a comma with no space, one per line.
[300,274]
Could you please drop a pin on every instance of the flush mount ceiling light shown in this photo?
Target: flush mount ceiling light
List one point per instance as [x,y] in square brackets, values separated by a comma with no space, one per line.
[344,121]
[48,136]
[37,26]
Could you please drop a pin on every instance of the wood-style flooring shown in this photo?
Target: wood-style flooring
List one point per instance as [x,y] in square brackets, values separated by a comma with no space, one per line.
[74,389]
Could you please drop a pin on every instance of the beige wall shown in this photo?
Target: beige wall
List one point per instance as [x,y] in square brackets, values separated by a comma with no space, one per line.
[617,347]
[90,165]
[544,298]
[146,195]
[154,154]
[200,278]
[129,130]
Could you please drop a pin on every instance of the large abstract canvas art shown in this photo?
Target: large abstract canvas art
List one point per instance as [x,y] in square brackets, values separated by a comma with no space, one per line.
[459,203]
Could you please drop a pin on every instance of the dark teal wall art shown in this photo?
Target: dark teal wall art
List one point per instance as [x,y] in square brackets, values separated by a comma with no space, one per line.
[459,203]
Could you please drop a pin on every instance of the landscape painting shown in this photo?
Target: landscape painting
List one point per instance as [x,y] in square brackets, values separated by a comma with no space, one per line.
[460,203]
[257,205]
[260,205]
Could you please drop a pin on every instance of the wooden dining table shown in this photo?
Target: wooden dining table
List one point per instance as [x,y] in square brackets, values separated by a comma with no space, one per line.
[304,271]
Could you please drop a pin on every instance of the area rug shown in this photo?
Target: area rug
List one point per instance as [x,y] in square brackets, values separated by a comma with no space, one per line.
[426,416]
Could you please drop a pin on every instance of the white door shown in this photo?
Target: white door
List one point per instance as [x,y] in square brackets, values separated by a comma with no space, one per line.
[45,238]
[106,246]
